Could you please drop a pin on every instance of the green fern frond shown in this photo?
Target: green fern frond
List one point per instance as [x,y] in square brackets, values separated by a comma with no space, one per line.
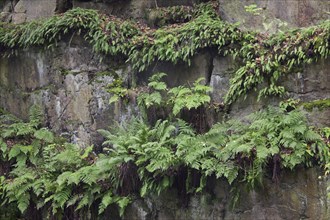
[35,115]
[107,200]
[61,196]
[44,135]
[23,202]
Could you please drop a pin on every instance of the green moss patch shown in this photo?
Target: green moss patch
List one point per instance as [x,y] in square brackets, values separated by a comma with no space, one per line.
[319,104]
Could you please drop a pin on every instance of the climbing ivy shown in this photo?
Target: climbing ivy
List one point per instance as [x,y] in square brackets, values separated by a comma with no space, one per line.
[106,34]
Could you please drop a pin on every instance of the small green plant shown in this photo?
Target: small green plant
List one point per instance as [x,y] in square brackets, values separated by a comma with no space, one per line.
[117,90]
[253,9]
[177,98]
[289,104]
[318,104]
[155,89]
[182,97]
[326,132]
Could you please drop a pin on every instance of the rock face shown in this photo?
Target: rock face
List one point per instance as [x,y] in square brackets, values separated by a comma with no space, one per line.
[310,84]
[20,11]
[181,73]
[70,82]
[275,14]
[129,8]
[298,195]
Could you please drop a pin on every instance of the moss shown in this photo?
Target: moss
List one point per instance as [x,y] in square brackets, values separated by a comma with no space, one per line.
[107,73]
[319,104]
[2,111]
[64,72]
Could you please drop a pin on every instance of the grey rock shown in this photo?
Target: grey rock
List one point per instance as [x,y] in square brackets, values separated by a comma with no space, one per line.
[181,73]
[275,15]
[63,5]
[19,18]
[223,68]
[5,16]
[8,5]
[66,84]
[129,8]
[299,195]
[20,7]
[27,10]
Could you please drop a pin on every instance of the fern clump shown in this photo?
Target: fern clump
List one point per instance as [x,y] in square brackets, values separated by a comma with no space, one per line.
[48,172]
[157,94]
[140,159]
[235,150]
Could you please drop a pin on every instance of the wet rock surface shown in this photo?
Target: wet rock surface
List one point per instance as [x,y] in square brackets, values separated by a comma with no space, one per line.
[275,15]
[69,83]
[20,11]
[298,195]
[129,8]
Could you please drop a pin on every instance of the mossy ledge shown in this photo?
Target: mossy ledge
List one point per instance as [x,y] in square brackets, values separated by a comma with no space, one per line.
[319,104]
[265,58]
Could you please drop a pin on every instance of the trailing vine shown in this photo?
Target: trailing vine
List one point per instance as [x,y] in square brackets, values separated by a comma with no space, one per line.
[264,58]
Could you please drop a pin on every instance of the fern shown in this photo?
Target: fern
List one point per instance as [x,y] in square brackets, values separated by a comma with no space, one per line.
[23,202]
[144,158]
[122,203]
[177,98]
[60,198]
[44,135]
[35,116]
[182,97]
[107,200]
[153,97]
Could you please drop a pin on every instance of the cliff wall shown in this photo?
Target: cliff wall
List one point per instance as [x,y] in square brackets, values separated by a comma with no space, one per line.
[70,84]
